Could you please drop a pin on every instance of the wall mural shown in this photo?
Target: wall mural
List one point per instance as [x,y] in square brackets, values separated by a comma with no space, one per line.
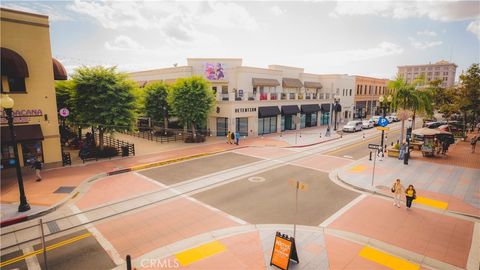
[214,71]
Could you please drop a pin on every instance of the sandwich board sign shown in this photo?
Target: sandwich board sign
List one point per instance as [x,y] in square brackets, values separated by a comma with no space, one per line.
[284,250]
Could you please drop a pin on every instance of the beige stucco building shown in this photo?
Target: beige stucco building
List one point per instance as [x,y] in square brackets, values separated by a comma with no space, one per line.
[28,74]
[442,70]
[256,101]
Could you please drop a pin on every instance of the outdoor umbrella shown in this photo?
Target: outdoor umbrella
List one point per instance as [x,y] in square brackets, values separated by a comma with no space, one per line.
[444,128]
[426,132]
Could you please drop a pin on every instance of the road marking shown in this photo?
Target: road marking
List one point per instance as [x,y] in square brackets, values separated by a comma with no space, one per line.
[32,262]
[387,260]
[358,168]
[431,202]
[351,146]
[192,255]
[40,251]
[346,156]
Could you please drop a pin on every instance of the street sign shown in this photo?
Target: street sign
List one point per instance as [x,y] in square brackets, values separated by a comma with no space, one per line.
[374,146]
[383,122]
[298,184]
[284,250]
[64,112]
[383,128]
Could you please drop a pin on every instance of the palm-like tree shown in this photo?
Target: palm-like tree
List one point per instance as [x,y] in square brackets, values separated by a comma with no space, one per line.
[410,96]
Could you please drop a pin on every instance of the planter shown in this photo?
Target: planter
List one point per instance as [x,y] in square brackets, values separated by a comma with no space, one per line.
[392,152]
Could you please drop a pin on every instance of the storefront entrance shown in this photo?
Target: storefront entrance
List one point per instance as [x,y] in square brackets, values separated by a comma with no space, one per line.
[267,125]
[325,118]
[222,126]
[242,126]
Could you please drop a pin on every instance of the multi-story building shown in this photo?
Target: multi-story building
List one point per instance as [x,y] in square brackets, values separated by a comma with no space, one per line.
[441,70]
[256,101]
[367,92]
[28,74]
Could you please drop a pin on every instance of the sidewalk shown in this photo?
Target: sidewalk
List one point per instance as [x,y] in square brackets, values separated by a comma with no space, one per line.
[447,183]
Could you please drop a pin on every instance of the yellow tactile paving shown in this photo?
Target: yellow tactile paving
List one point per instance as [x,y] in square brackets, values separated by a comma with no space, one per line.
[431,202]
[358,168]
[198,253]
[387,260]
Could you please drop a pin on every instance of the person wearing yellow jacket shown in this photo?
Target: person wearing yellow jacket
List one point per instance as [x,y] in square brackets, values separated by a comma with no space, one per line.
[410,195]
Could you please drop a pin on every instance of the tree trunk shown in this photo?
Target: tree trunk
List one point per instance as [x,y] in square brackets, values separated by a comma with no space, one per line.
[100,138]
[165,122]
[79,132]
[413,119]
[401,131]
[194,133]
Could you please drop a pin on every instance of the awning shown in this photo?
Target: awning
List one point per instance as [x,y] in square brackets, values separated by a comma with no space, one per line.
[315,85]
[13,65]
[310,108]
[268,111]
[324,108]
[22,133]
[290,109]
[59,72]
[264,82]
[291,83]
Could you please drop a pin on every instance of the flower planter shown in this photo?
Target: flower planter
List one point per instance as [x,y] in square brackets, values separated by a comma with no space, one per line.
[392,152]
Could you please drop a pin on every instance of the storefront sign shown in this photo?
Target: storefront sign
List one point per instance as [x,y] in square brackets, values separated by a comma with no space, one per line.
[243,110]
[25,113]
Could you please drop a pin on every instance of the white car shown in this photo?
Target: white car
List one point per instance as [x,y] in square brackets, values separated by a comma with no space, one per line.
[353,126]
[368,124]
[375,119]
[390,118]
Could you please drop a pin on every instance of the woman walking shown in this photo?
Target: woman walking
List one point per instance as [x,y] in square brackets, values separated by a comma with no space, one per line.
[397,190]
[410,195]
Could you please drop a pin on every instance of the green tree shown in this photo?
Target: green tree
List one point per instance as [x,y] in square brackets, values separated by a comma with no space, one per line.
[156,105]
[469,93]
[104,99]
[191,101]
[65,93]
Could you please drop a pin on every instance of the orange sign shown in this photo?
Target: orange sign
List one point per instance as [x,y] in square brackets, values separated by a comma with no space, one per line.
[281,253]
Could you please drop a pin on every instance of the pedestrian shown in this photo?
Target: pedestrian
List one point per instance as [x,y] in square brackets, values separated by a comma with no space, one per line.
[228,137]
[397,190]
[237,137]
[232,137]
[327,134]
[37,165]
[478,127]
[445,146]
[473,143]
[403,147]
[410,195]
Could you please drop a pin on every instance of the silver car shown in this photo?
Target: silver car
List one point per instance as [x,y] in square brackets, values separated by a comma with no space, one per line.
[353,126]
[367,124]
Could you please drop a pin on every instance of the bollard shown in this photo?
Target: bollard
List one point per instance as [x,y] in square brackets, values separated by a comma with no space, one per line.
[370,158]
[129,262]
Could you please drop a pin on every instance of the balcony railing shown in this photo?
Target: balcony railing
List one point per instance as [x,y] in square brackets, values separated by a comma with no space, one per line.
[263,96]
[225,97]
[291,96]
[273,96]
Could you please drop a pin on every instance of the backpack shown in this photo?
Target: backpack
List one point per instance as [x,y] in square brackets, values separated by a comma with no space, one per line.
[232,136]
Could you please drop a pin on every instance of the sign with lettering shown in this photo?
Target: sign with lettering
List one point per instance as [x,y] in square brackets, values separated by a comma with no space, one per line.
[64,112]
[25,113]
[243,110]
[284,250]
[374,146]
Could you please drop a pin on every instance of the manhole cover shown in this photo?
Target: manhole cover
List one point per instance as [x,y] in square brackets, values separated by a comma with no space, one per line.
[256,179]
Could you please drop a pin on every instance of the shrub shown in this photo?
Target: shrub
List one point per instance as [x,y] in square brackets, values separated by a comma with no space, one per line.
[198,139]
[107,152]
[163,133]
[397,146]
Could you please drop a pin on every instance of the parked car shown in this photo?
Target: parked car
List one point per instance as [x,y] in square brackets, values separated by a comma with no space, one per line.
[353,126]
[390,118]
[367,124]
[394,117]
[375,119]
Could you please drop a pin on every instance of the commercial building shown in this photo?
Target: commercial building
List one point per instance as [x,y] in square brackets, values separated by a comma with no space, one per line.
[28,74]
[442,70]
[256,101]
[367,92]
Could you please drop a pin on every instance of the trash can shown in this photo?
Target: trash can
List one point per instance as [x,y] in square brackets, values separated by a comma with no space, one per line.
[124,151]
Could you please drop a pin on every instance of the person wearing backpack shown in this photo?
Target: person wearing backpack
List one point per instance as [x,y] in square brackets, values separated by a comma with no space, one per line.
[37,165]
[410,195]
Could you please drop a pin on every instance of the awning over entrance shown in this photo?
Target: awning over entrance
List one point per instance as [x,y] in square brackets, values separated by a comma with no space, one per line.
[290,109]
[315,85]
[59,72]
[23,133]
[264,82]
[13,65]
[325,108]
[268,111]
[291,83]
[310,108]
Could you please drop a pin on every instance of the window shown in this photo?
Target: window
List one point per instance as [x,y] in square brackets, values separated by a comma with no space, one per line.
[437,73]
[343,92]
[224,89]
[327,95]
[437,68]
[422,68]
[222,126]
[445,73]
[416,69]
[350,92]
[321,96]
[214,89]
[445,79]
[429,68]
[16,84]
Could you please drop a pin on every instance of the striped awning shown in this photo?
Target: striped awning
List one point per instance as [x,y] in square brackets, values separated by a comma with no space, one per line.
[291,83]
[264,82]
[315,85]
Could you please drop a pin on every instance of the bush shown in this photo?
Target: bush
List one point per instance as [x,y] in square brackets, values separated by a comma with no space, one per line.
[397,146]
[198,139]
[107,152]
[163,133]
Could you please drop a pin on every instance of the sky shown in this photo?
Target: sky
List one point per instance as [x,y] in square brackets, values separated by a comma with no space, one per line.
[323,37]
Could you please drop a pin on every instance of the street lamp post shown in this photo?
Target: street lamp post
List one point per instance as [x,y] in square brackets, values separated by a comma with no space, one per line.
[7,104]
[336,100]
[383,106]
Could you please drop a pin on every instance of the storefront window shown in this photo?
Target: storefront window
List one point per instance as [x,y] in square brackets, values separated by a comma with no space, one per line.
[313,120]
[8,157]
[31,150]
[242,126]
[302,120]
[325,118]
[222,126]
[283,123]
[267,125]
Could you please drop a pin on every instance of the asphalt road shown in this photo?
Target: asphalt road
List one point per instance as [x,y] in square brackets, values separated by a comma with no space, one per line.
[272,201]
[187,170]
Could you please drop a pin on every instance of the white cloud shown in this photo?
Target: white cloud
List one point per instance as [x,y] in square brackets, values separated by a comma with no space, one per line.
[427,33]
[474,27]
[435,10]
[54,14]
[123,43]
[419,44]
[348,56]
[277,11]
